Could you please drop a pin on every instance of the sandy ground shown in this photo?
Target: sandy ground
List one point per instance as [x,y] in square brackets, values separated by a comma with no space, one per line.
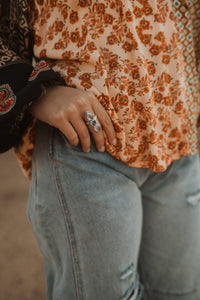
[21,265]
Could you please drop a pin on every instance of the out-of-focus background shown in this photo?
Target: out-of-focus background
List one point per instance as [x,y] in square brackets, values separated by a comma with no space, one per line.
[21,265]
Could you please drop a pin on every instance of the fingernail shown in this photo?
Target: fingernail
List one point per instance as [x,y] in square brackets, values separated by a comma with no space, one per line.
[102,149]
[114,142]
[88,150]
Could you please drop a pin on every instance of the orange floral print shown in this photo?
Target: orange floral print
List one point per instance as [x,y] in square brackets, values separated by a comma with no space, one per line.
[73,18]
[127,53]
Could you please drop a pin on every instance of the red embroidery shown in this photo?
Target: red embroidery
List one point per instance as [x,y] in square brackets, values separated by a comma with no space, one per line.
[40,67]
[7,99]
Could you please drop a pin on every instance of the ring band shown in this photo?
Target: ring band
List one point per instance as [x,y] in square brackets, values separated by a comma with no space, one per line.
[92,121]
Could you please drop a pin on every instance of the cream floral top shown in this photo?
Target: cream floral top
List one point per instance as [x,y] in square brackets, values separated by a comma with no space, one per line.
[129,55]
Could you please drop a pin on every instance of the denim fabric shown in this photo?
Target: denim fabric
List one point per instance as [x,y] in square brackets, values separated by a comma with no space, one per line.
[111,232]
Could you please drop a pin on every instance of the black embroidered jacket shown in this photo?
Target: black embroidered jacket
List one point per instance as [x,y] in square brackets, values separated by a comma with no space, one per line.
[20,83]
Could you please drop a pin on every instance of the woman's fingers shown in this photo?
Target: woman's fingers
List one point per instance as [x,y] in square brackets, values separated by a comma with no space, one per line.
[105,122]
[75,129]
[82,131]
[67,129]
[79,124]
[95,127]
[94,121]
[64,108]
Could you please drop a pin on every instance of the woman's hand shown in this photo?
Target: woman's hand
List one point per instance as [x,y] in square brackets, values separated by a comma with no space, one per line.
[64,108]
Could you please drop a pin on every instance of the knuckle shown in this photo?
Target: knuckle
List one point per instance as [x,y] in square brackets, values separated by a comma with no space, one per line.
[58,118]
[107,123]
[72,109]
[93,100]
[73,139]
[84,135]
[82,102]
[91,96]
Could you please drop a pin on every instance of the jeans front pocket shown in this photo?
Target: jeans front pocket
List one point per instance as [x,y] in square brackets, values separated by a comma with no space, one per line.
[60,147]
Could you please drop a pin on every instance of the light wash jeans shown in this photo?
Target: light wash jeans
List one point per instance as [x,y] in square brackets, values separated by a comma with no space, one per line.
[108,231]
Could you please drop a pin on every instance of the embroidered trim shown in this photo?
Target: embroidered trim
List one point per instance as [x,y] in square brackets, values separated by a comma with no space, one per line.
[7,99]
[40,67]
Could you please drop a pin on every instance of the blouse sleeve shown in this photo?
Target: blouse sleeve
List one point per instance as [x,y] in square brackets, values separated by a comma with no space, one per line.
[20,82]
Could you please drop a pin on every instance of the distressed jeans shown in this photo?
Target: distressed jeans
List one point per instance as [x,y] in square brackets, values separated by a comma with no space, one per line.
[108,231]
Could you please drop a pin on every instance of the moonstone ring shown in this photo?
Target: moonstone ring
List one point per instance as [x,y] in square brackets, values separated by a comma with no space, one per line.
[92,121]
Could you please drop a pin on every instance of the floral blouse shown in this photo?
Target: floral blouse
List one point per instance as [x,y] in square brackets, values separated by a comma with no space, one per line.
[137,57]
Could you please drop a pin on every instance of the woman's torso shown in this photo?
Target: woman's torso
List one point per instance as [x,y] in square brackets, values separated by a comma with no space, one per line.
[126,53]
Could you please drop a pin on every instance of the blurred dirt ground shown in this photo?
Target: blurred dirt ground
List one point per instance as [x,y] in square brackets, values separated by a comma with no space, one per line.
[21,265]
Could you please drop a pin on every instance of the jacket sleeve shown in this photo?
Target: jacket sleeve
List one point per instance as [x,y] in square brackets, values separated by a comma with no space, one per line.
[20,82]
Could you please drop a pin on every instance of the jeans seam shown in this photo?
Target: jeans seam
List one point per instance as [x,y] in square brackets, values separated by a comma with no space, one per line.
[69,226]
[73,246]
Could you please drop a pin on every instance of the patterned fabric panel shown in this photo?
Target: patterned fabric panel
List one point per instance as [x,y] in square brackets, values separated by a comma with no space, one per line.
[126,53]
[15,38]
[129,55]
[188,24]
[16,90]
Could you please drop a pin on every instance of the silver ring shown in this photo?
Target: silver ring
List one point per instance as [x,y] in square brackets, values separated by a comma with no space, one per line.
[92,121]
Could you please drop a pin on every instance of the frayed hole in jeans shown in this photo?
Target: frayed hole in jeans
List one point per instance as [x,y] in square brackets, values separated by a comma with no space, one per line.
[128,272]
[193,199]
[135,291]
